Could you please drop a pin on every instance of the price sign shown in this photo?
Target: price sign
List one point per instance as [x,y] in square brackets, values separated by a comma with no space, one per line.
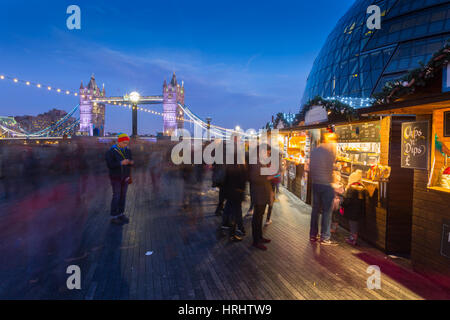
[415,145]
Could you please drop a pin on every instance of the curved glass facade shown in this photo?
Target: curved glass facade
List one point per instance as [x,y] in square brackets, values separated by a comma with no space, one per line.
[356,62]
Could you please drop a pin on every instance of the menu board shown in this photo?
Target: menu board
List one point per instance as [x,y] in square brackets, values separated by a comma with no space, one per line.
[415,145]
[361,132]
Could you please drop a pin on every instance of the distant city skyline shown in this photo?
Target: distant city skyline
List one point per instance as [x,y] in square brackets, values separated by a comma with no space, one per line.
[241,63]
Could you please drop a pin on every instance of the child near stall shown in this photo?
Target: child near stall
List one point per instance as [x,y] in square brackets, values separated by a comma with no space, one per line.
[354,204]
[337,201]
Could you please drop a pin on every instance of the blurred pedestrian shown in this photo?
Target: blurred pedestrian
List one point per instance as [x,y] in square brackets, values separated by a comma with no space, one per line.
[337,201]
[262,195]
[234,192]
[218,177]
[155,166]
[354,204]
[321,169]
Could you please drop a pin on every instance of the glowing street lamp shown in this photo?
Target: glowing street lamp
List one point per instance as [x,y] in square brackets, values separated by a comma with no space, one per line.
[135,97]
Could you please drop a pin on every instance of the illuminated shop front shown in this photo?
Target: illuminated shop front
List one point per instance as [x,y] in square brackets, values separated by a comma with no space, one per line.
[425,153]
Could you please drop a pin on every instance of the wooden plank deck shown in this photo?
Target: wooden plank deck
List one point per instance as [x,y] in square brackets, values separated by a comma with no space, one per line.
[190,259]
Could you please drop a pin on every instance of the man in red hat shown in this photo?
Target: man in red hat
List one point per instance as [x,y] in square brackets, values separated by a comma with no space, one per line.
[119,161]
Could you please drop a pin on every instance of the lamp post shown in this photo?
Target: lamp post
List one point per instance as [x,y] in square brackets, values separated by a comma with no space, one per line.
[208,120]
[135,97]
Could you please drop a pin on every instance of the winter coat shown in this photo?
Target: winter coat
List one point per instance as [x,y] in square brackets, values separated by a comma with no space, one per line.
[354,202]
[236,177]
[113,160]
[260,187]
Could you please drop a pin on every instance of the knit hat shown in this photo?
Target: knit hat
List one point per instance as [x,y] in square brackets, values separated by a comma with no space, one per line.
[355,177]
[123,137]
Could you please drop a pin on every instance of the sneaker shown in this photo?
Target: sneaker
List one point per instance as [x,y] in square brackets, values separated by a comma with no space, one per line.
[260,246]
[225,227]
[241,232]
[264,240]
[314,239]
[268,222]
[235,238]
[328,243]
[117,221]
[124,219]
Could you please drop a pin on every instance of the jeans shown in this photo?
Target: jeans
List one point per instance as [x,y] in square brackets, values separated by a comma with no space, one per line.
[323,196]
[119,197]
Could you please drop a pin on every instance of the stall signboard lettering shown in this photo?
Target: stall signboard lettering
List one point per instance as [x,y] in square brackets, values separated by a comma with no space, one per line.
[446,78]
[445,243]
[316,114]
[361,132]
[415,145]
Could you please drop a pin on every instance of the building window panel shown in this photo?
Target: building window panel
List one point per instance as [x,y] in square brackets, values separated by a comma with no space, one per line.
[404,63]
[420,30]
[376,60]
[437,16]
[436,27]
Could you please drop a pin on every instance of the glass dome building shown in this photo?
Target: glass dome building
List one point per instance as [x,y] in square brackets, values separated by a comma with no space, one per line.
[356,62]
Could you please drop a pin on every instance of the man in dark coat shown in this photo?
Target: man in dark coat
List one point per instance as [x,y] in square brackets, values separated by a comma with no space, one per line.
[119,161]
[262,196]
[234,192]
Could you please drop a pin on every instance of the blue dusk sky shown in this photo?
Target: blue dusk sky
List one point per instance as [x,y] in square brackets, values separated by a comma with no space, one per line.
[241,61]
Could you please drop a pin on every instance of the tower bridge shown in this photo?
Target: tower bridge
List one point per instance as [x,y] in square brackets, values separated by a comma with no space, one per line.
[93,102]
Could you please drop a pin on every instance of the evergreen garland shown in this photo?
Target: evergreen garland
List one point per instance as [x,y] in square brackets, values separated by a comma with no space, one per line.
[337,111]
[419,77]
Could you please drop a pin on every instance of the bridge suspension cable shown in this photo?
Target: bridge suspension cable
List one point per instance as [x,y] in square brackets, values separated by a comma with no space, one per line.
[59,125]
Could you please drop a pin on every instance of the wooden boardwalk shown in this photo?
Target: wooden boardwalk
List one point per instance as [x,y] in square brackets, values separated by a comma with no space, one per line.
[190,259]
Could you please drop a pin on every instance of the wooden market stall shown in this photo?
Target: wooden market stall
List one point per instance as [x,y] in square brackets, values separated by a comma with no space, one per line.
[374,148]
[425,152]
[295,152]
[371,145]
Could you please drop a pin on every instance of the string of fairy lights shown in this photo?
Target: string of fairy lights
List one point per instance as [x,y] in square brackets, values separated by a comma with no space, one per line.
[39,85]
[50,88]
[133,107]
[195,120]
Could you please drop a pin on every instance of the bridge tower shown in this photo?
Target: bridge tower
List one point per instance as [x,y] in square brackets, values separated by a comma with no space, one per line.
[173,94]
[92,115]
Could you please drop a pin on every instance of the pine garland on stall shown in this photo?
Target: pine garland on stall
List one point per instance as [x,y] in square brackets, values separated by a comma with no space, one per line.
[419,77]
[336,110]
